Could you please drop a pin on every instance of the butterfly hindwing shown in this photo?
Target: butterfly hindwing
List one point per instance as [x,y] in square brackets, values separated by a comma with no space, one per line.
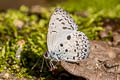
[73,48]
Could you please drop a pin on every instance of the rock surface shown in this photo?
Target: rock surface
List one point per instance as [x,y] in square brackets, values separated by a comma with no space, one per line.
[103,63]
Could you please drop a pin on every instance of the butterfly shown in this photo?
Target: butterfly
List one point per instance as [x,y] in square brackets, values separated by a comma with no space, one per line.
[64,42]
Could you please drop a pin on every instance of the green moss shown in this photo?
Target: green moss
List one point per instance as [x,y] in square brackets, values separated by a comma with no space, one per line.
[96,5]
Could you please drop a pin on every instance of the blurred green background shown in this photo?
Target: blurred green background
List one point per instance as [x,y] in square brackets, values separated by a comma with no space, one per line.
[24,23]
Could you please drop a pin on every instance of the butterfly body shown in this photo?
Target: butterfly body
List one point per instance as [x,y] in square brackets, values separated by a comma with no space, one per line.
[64,42]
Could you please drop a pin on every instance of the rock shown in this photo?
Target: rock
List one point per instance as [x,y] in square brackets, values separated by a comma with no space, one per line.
[102,64]
[4,75]
[116,39]
[103,34]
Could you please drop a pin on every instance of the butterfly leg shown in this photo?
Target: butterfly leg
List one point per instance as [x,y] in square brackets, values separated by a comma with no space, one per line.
[42,64]
[52,66]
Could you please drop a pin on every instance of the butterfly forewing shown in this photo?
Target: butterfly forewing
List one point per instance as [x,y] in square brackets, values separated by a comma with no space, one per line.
[60,22]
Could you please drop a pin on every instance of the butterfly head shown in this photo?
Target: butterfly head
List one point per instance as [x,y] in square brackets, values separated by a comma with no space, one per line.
[46,55]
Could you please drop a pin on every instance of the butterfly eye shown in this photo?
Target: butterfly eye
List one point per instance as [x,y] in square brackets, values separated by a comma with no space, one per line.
[46,55]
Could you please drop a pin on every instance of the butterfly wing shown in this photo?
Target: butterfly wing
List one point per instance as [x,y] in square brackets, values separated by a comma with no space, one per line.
[60,22]
[73,47]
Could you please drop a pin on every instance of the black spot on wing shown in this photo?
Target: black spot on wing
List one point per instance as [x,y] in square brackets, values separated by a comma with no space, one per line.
[63,23]
[68,37]
[69,22]
[77,44]
[77,48]
[53,53]
[77,54]
[66,28]
[74,50]
[66,50]
[79,35]
[83,37]
[54,31]
[85,50]
[60,19]
[71,27]
[84,41]
[52,23]
[61,45]
[57,18]
[56,10]
[67,16]
[74,57]
[83,57]
[76,41]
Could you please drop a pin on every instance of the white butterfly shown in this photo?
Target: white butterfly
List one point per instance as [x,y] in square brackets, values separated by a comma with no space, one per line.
[64,42]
